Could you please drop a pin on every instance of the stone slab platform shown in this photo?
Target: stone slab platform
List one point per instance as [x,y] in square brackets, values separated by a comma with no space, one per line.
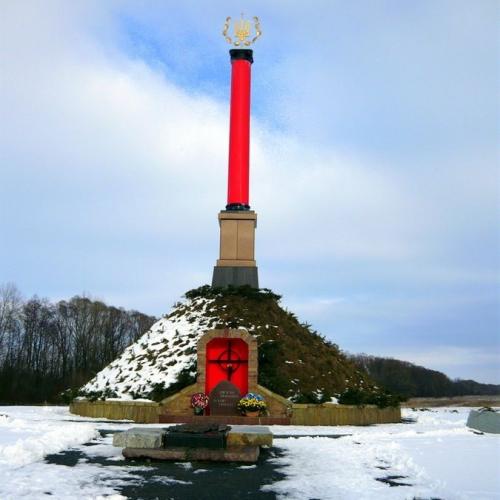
[238,436]
[247,454]
[139,437]
[223,419]
[249,435]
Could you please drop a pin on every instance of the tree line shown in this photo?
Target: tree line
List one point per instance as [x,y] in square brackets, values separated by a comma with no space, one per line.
[49,347]
[409,380]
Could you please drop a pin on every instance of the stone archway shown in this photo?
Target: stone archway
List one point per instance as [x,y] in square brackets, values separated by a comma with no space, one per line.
[227,364]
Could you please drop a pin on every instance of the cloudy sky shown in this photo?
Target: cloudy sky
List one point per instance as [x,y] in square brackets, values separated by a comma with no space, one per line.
[375,168]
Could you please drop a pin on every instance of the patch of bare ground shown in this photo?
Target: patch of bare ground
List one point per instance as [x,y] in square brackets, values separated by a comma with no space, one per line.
[471,401]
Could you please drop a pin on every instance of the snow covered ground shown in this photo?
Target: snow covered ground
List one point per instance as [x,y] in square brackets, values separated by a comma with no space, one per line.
[436,456]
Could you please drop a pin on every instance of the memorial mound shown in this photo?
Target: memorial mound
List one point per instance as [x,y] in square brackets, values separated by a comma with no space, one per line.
[294,360]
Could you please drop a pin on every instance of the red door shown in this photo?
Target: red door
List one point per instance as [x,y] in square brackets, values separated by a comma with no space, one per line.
[227,359]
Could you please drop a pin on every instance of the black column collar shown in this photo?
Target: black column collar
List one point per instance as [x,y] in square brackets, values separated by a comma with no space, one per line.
[237,54]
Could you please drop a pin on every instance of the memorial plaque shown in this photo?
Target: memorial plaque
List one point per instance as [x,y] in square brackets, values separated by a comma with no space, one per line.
[224,399]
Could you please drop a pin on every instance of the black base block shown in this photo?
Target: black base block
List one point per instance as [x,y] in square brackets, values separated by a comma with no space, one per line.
[235,276]
[210,440]
[237,207]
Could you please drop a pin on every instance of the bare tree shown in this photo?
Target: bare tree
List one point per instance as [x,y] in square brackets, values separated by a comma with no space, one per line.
[10,315]
[46,348]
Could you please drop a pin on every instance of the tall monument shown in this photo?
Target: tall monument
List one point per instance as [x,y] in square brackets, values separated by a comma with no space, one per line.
[236,264]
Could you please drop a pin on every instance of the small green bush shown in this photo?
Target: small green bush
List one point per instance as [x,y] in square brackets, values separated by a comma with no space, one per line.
[208,292]
[360,397]
[95,395]
[68,395]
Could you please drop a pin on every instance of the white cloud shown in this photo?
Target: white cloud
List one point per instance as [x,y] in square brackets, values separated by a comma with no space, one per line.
[112,176]
[112,139]
[141,148]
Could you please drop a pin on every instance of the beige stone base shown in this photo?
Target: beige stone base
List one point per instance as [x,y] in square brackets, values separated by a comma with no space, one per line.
[237,238]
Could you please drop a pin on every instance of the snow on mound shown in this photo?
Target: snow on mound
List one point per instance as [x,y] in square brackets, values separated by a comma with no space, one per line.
[158,357]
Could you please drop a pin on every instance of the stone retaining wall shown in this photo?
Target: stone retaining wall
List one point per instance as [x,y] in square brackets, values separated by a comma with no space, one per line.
[330,414]
[138,411]
[301,414]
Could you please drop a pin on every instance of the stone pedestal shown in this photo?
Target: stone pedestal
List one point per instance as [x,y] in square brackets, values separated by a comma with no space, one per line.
[236,264]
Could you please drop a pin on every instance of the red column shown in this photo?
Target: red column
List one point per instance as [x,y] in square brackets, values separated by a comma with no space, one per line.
[239,130]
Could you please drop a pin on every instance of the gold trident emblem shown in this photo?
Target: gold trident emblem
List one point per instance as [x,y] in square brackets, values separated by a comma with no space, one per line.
[242,30]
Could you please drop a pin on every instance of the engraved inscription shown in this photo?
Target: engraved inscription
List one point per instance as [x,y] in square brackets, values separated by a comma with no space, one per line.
[224,399]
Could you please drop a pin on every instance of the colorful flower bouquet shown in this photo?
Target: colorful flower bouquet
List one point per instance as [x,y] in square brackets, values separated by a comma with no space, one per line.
[199,402]
[252,404]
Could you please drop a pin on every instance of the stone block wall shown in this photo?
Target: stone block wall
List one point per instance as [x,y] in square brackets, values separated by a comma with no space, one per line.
[138,411]
[330,414]
[253,360]
[180,403]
